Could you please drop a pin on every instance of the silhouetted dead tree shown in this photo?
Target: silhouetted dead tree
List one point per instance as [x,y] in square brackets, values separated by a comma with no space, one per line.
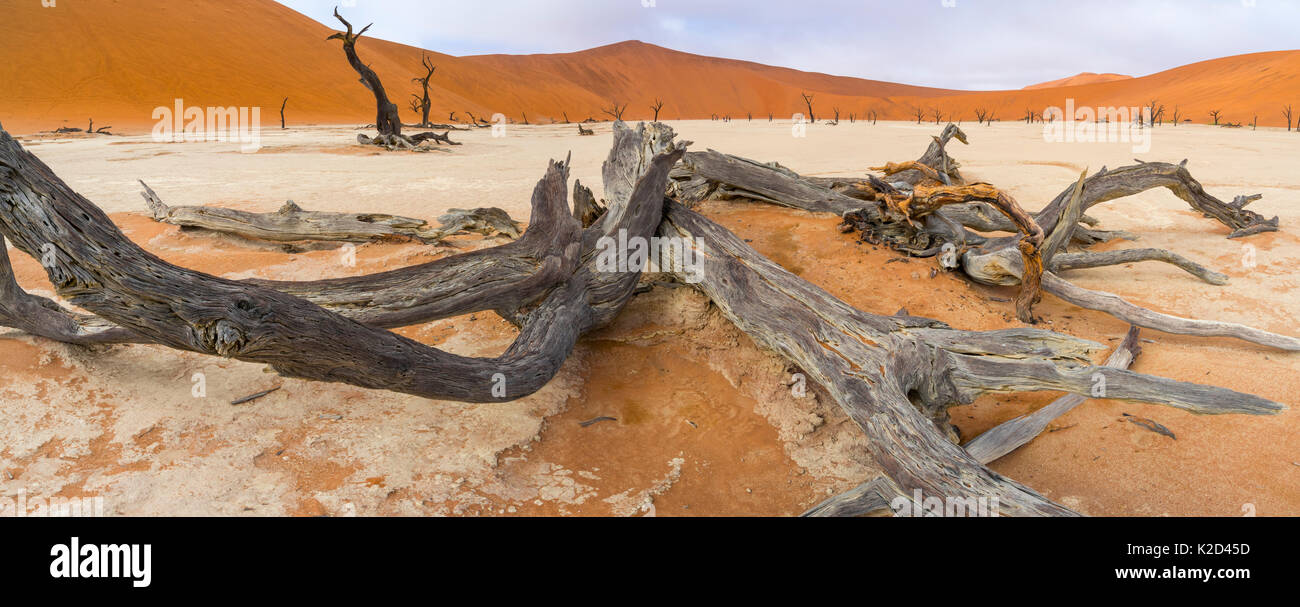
[1286,111]
[387,119]
[614,111]
[836,120]
[658,105]
[1215,114]
[425,103]
[103,130]
[282,106]
[1157,112]
[919,113]
[808,102]
[872,115]
[1177,115]
[981,114]
[937,115]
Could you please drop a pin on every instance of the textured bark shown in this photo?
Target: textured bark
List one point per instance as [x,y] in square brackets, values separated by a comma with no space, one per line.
[1009,436]
[898,376]
[292,224]
[895,376]
[874,497]
[875,208]
[98,269]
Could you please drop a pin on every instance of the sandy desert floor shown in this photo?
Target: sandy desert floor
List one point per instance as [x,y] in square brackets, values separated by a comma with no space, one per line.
[706,424]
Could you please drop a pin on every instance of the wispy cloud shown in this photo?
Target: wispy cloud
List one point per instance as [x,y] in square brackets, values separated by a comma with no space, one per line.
[975,44]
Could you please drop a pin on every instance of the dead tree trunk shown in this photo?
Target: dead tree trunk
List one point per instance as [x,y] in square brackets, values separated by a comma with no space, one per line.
[808,102]
[292,224]
[283,105]
[387,119]
[887,214]
[658,105]
[896,376]
[425,102]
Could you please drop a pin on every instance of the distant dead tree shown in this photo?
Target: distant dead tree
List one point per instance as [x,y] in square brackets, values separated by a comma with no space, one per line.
[770,117]
[1177,115]
[525,117]
[853,118]
[1215,114]
[1254,124]
[835,122]
[937,115]
[750,115]
[566,117]
[614,111]
[103,130]
[981,114]
[658,105]
[387,120]
[872,115]
[424,104]
[988,120]
[452,117]
[1029,116]
[1286,111]
[808,101]
[919,113]
[282,106]
[1157,112]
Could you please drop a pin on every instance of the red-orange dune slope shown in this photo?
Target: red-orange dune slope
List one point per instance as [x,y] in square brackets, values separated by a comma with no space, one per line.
[1078,80]
[117,60]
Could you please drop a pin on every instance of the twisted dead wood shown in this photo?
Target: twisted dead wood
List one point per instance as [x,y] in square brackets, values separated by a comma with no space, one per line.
[865,206]
[896,376]
[98,269]
[293,224]
[388,120]
[876,496]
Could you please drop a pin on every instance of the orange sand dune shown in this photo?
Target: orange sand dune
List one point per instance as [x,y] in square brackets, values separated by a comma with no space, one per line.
[1078,80]
[116,61]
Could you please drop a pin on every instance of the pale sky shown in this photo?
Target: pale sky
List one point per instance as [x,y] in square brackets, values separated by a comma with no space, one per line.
[973,44]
